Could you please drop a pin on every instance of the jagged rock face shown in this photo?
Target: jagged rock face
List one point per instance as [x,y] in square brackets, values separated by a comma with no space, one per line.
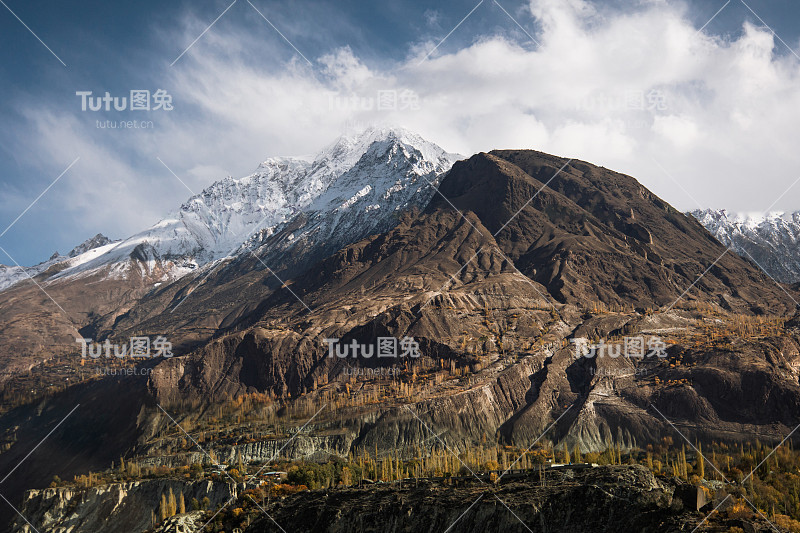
[113,507]
[771,241]
[183,523]
[362,291]
[591,500]
[300,447]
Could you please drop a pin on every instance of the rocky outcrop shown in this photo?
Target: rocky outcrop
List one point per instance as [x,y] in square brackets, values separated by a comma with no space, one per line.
[602,499]
[113,507]
[190,522]
[300,447]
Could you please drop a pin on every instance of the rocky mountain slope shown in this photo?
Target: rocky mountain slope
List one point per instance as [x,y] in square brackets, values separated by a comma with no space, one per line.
[592,235]
[435,277]
[597,234]
[772,241]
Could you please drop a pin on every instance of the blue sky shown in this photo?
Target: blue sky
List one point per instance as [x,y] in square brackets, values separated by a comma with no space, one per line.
[719,113]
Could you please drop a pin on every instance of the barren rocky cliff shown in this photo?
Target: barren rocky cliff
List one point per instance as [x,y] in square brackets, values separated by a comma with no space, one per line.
[114,507]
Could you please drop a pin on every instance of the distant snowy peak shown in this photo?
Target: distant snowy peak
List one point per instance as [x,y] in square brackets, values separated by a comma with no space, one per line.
[11,275]
[89,244]
[772,241]
[723,218]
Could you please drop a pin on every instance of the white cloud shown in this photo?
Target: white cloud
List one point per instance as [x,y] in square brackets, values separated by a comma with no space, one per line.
[678,130]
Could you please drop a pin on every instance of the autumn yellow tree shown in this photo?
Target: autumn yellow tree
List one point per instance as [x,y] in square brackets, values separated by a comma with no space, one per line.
[701,466]
[172,506]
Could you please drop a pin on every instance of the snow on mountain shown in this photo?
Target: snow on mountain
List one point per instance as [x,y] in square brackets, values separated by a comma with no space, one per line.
[10,275]
[396,171]
[376,171]
[772,241]
[90,244]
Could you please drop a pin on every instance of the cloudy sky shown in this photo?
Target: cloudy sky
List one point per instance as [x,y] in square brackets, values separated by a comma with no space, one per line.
[698,100]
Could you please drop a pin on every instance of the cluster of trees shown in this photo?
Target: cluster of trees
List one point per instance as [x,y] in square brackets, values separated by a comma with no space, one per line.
[773,486]
[169,506]
[724,327]
[417,463]
[135,471]
[767,476]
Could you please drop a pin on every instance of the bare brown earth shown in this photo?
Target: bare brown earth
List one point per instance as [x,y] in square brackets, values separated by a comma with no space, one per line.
[42,318]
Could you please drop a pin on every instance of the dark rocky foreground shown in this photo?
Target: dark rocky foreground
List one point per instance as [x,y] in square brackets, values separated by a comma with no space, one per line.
[610,498]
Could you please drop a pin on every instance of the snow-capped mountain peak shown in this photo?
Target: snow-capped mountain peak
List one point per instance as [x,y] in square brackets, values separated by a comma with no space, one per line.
[89,244]
[374,171]
[387,170]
